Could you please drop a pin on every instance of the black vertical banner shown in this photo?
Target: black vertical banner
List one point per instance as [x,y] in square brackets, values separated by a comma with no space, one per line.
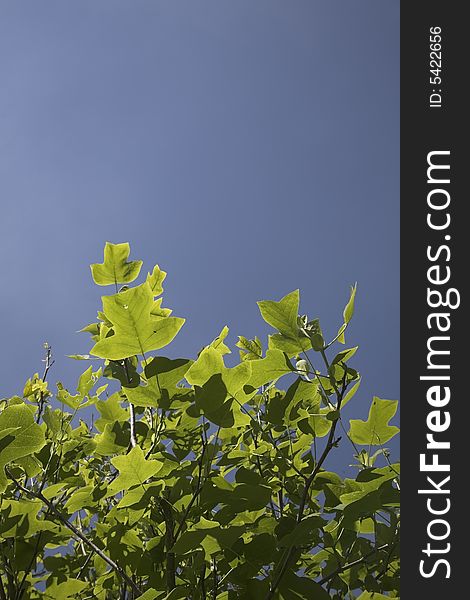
[435,360]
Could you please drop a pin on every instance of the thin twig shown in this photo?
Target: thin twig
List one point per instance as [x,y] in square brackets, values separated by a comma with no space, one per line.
[87,560]
[132,424]
[48,364]
[202,581]
[158,433]
[196,492]
[170,539]
[352,564]
[131,408]
[3,595]
[215,579]
[260,469]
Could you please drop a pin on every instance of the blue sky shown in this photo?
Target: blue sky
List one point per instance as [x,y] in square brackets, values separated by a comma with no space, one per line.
[248,147]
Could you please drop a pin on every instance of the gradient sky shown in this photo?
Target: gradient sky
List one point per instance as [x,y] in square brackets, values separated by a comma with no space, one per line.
[249,147]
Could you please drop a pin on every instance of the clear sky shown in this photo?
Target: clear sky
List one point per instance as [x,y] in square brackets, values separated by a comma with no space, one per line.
[249,147]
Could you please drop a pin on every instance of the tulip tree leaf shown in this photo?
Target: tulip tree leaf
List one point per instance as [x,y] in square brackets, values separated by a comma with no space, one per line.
[155,280]
[218,343]
[65,589]
[282,315]
[294,587]
[151,594]
[27,438]
[270,368]
[19,519]
[136,331]
[115,268]
[349,308]
[210,362]
[111,411]
[162,376]
[134,469]
[249,349]
[288,345]
[376,430]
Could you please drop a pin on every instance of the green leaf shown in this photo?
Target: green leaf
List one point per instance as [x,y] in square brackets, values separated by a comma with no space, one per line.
[79,499]
[87,380]
[158,310]
[218,343]
[30,465]
[8,431]
[134,469]
[189,541]
[376,430]
[300,392]
[151,594]
[155,280]
[136,331]
[249,349]
[66,589]
[344,355]
[111,411]
[27,438]
[372,596]
[304,533]
[349,308]
[180,592]
[271,368]
[210,362]
[114,439]
[340,335]
[19,519]
[115,268]
[288,345]
[294,587]
[282,315]
[168,373]
[350,393]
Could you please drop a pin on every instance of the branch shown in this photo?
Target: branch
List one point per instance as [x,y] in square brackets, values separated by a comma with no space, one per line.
[260,469]
[202,581]
[48,364]
[272,589]
[83,567]
[3,595]
[132,424]
[216,579]
[76,532]
[48,361]
[158,432]
[196,493]
[330,444]
[352,564]
[387,560]
[131,408]
[166,509]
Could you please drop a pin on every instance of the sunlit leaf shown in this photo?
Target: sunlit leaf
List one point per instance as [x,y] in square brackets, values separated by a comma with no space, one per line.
[115,268]
[136,331]
[27,437]
[134,469]
[376,430]
[282,315]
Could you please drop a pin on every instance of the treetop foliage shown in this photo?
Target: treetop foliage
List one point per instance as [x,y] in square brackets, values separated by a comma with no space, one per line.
[193,479]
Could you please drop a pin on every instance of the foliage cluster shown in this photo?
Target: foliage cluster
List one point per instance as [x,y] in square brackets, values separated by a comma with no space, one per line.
[198,480]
